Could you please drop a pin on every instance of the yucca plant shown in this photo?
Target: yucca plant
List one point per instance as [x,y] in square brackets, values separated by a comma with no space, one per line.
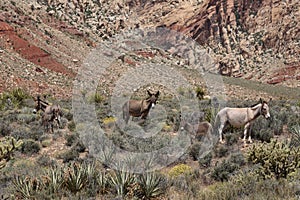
[26,186]
[75,177]
[149,185]
[54,179]
[295,130]
[102,182]
[121,180]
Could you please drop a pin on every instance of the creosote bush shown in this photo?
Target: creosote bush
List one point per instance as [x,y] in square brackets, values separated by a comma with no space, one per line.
[30,147]
[180,169]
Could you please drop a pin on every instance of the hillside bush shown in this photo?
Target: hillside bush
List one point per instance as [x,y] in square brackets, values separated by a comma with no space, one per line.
[30,147]
[205,162]
[180,169]
[275,159]
[5,128]
[223,171]
[248,185]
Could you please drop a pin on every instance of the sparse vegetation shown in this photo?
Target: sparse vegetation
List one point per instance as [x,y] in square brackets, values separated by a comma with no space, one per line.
[211,176]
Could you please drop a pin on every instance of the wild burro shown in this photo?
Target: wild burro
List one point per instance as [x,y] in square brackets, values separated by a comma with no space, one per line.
[50,113]
[139,108]
[239,117]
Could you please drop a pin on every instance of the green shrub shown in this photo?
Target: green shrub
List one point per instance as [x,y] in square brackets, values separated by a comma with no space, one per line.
[223,171]
[180,169]
[231,139]
[45,161]
[205,161]
[68,155]
[238,159]
[96,98]
[30,147]
[5,128]
[71,139]
[221,151]
[72,126]
[275,159]
[194,150]
[248,185]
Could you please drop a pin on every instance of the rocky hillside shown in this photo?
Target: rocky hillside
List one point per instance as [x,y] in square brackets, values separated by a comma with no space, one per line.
[44,42]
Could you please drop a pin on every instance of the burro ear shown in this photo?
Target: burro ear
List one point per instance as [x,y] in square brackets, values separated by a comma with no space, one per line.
[149,93]
[260,100]
[157,94]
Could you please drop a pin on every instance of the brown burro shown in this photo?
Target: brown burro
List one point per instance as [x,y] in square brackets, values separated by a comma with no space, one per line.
[139,108]
[50,114]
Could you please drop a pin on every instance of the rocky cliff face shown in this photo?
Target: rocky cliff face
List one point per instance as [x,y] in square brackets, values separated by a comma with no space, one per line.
[254,39]
[43,42]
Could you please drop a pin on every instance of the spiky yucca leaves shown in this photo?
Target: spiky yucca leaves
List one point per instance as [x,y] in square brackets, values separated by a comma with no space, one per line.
[121,180]
[149,185]
[275,159]
[27,187]
[75,177]
[102,182]
[295,130]
[54,179]
[7,146]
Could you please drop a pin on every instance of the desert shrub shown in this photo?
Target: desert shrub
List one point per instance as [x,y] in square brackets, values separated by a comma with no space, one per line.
[79,146]
[205,161]
[5,128]
[72,126]
[200,92]
[194,150]
[221,150]
[248,185]
[223,171]
[96,98]
[21,133]
[26,118]
[45,161]
[68,155]
[71,139]
[109,121]
[275,159]
[237,158]
[180,169]
[68,115]
[231,139]
[30,147]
